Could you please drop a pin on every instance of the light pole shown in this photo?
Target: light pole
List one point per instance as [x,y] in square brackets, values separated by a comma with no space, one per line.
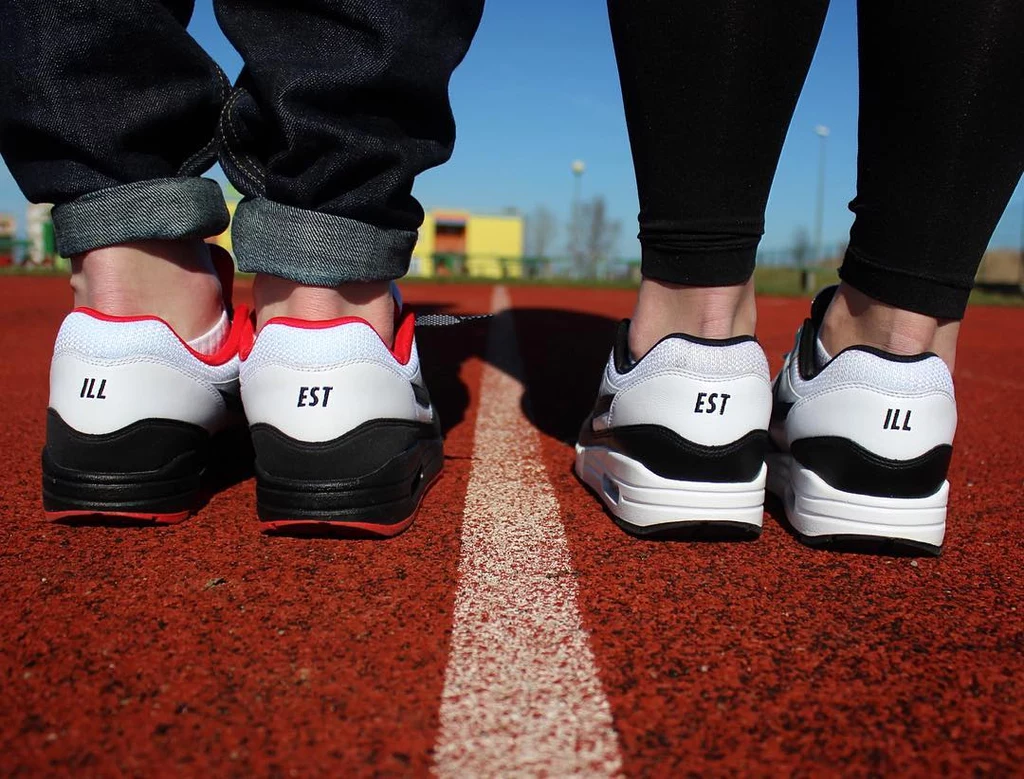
[819,212]
[578,168]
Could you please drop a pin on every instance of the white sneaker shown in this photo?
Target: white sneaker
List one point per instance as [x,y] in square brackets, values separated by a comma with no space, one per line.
[678,438]
[862,442]
[346,437]
[137,419]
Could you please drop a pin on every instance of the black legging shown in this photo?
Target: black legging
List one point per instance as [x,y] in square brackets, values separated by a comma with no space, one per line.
[709,89]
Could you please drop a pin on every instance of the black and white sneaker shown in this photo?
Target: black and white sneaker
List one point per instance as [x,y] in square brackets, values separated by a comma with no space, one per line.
[861,442]
[344,431]
[140,424]
[678,438]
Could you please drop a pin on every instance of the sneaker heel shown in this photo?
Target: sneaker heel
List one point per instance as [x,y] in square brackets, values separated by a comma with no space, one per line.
[821,514]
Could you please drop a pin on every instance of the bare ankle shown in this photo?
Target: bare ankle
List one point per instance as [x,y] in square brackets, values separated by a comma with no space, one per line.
[708,312]
[855,319]
[173,280]
[372,301]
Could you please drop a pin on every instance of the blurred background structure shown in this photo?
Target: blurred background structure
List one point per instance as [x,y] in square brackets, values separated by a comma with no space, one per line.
[459,244]
[541,185]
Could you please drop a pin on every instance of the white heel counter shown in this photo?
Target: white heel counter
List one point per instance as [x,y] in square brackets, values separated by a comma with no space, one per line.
[705,411]
[100,383]
[316,385]
[707,393]
[321,405]
[897,410]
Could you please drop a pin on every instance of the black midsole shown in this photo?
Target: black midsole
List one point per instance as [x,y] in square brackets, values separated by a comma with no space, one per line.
[847,466]
[161,446]
[376,473]
[669,455]
[65,489]
[152,466]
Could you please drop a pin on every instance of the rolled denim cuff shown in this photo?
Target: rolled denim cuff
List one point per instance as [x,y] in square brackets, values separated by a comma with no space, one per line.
[315,248]
[157,209]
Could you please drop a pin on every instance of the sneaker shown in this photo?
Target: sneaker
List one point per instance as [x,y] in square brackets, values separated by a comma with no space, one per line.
[136,417]
[677,439]
[345,435]
[861,442]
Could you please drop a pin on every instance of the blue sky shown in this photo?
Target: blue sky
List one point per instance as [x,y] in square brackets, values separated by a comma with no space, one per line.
[539,89]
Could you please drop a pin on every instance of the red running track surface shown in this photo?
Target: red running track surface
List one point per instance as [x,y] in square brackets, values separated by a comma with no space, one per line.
[210,649]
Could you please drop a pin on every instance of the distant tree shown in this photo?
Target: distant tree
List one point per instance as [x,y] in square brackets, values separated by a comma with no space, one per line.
[599,235]
[801,249]
[840,253]
[541,229]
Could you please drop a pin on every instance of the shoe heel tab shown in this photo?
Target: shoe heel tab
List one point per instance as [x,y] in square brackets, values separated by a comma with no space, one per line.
[896,361]
[314,324]
[104,317]
[405,331]
[100,316]
[405,337]
[624,361]
[806,351]
[924,372]
[227,351]
[890,356]
[623,358]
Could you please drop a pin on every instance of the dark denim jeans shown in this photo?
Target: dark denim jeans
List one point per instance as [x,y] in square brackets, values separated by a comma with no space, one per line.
[112,111]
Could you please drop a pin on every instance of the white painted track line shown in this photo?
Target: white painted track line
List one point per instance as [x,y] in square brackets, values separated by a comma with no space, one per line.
[522,695]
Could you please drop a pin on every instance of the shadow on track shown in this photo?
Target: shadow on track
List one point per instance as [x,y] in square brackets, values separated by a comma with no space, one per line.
[562,355]
[443,350]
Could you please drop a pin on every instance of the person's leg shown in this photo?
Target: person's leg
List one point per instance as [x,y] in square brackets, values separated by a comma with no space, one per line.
[109,111]
[709,89]
[865,410]
[678,434]
[941,149]
[339,107]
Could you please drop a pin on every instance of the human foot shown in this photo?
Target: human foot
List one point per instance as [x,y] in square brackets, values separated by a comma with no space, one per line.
[346,438]
[854,319]
[369,301]
[175,281]
[707,312]
[862,440]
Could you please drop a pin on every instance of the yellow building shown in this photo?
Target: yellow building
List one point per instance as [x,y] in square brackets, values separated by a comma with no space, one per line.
[450,243]
[455,242]
[231,197]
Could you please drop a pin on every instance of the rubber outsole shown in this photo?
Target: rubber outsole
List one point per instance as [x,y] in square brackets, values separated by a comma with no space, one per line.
[689,530]
[147,498]
[83,517]
[158,502]
[870,545]
[306,526]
